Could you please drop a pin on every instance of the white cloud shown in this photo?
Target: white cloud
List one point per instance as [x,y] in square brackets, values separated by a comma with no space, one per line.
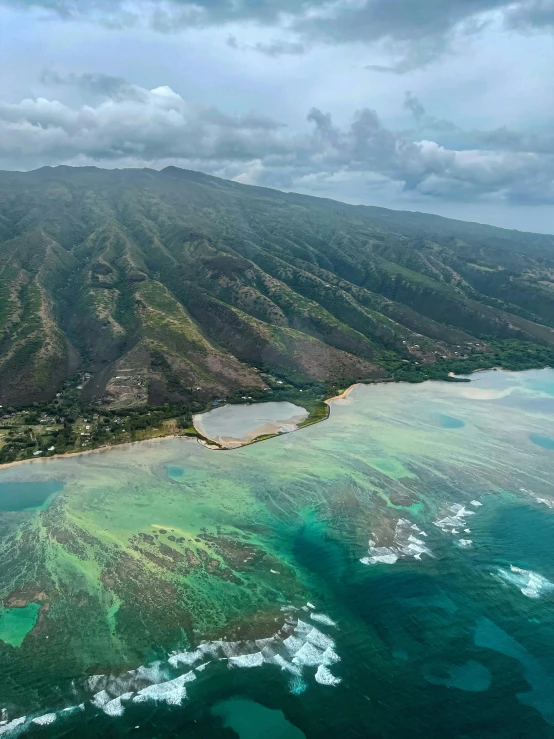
[136,126]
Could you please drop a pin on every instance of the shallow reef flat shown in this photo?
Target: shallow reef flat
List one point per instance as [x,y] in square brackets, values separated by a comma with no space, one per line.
[369,551]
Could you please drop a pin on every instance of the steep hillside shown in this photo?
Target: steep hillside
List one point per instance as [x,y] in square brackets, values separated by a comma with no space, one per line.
[158,283]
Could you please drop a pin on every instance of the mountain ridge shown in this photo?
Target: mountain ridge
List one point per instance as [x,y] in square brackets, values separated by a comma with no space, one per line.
[198,282]
[265,189]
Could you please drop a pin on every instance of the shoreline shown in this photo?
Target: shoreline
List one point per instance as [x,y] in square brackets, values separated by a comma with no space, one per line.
[204,440]
[98,450]
[346,393]
[267,430]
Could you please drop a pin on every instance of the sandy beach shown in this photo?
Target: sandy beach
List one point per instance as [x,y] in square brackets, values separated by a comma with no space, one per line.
[225,442]
[345,393]
[98,450]
[267,429]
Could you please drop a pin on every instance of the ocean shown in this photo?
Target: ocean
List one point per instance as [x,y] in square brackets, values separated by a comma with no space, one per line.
[387,573]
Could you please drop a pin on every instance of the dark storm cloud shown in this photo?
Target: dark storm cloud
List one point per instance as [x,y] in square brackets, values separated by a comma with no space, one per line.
[416,32]
[133,126]
[532,15]
[333,20]
[377,16]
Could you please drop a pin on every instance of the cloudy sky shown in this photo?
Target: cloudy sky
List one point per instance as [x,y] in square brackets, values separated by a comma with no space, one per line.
[444,106]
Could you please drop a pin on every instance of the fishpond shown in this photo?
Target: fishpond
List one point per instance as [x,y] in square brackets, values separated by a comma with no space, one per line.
[385,573]
[236,425]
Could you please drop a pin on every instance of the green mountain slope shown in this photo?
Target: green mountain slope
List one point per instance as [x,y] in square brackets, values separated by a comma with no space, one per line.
[157,283]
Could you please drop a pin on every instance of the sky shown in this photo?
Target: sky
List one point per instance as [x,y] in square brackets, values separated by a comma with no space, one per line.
[441,106]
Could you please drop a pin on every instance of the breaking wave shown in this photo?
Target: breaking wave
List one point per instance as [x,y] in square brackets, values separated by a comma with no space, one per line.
[531,584]
[298,649]
[455,518]
[406,543]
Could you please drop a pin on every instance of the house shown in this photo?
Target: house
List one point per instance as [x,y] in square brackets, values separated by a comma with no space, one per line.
[51,448]
[35,454]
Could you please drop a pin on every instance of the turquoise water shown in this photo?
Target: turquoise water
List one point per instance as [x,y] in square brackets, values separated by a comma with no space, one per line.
[250,720]
[449,422]
[24,496]
[15,623]
[398,571]
[547,442]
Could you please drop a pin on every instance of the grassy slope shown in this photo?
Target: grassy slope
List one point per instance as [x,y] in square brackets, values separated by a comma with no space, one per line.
[161,282]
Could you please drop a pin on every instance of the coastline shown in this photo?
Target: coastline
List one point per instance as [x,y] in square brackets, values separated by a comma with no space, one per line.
[266,430]
[205,441]
[346,393]
[98,450]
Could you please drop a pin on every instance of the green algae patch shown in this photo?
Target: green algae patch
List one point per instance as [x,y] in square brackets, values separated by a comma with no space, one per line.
[16,623]
[390,467]
[417,508]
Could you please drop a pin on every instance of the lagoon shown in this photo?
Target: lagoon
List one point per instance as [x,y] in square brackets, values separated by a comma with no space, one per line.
[235,425]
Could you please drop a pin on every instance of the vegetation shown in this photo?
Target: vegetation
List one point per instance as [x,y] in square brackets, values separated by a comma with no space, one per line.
[146,296]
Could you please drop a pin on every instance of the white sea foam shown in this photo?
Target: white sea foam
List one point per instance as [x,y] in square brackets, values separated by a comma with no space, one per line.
[543,501]
[114,707]
[323,619]
[531,584]
[100,699]
[293,643]
[284,664]
[302,628]
[455,518]
[464,543]
[45,720]
[11,725]
[296,648]
[380,555]
[185,658]
[308,655]
[330,656]
[325,677]
[247,660]
[154,673]
[405,544]
[172,692]
[476,503]
[320,640]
